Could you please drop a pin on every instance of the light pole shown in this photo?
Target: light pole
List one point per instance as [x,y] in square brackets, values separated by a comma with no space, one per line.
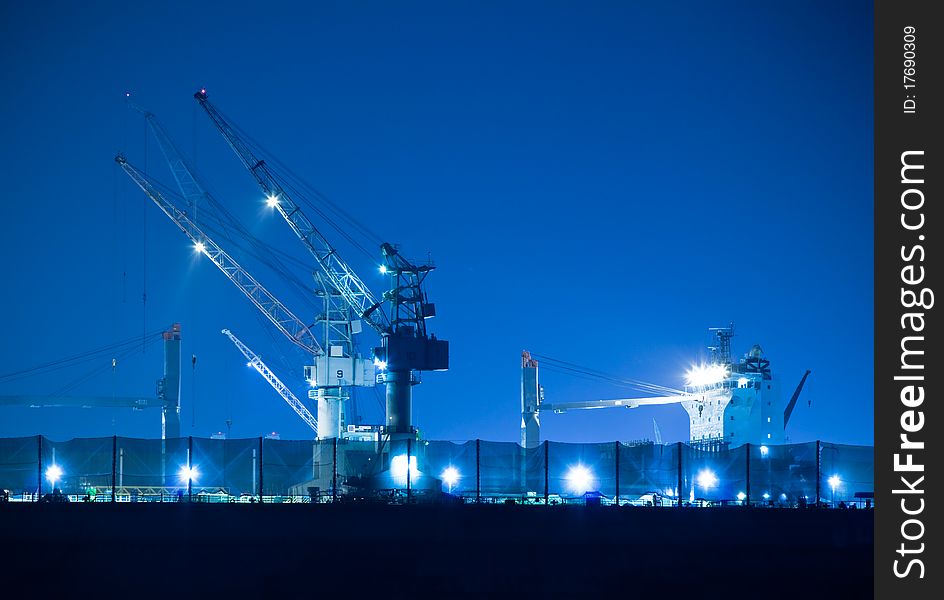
[450,475]
[706,480]
[580,479]
[834,482]
[53,474]
[188,474]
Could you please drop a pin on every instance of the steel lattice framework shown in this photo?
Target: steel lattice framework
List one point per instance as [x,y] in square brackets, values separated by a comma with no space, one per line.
[341,276]
[276,383]
[189,186]
[279,314]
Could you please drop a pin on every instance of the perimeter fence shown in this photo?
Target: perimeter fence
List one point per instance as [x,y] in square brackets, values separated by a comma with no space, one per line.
[269,470]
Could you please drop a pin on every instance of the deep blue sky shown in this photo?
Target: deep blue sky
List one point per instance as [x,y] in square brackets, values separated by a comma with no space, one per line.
[596,182]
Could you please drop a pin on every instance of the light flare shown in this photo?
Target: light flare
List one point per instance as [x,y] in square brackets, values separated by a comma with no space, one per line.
[398,467]
[706,479]
[706,375]
[834,482]
[579,479]
[188,474]
[450,476]
[54,474]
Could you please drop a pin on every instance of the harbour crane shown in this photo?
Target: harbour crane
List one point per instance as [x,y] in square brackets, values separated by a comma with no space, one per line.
[337,368]
[406,347]
[283,390]
[277,313]
[168,392]
[533,403]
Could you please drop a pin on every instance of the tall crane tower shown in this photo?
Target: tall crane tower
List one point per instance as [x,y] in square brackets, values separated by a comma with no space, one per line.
[167,397]
[406,347]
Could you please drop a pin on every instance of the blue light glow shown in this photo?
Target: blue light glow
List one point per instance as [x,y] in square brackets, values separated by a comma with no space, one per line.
[188,474]
[579,479]
[398,466]
[706,479]
[450,476]
[54,474]
[834,482]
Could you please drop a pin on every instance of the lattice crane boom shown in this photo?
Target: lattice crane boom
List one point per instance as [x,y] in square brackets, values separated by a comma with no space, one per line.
[406,347]
[339,273]
[279,314]
[187,182]
[560,407]
[256,363]
[82,401]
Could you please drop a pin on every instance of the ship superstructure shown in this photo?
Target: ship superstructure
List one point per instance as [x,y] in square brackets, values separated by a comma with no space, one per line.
[729,403]
[743,400]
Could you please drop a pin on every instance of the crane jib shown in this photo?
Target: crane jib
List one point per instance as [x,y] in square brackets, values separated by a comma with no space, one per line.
[277,313]
[410,310]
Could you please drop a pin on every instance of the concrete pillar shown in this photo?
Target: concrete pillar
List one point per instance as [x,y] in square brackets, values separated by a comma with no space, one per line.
[530,402]
[329,413]
[169,389]
[399,405]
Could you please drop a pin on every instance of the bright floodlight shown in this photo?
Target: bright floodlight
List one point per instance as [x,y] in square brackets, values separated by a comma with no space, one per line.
[766,496]
[705,375]
[741,496]
[451,476]
[380,364]
[764,450]
[398,466]
[579,479]
[383,269]
[188,474]
[199,247]
[706,479]
[272,201]
[54,474]
[834,482]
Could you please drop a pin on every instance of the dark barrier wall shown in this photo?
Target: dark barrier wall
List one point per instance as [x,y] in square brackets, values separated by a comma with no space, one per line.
[788,475]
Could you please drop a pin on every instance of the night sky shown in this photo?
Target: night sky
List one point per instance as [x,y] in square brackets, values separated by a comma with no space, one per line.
[596,182]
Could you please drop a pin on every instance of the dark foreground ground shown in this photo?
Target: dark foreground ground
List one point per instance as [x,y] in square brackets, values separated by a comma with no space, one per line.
[184,550]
